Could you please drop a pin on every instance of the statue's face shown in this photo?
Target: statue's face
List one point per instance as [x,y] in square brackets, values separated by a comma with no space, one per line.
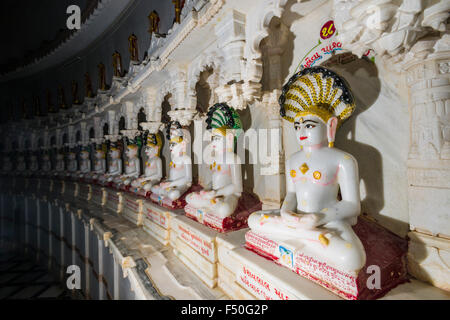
[98,154]
[151,151]
[310,130]
[218,141]
[84,155]
[114,153]
[176,147]
[131,151]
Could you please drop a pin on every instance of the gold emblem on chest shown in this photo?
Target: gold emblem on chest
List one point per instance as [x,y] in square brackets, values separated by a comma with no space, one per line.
[304,168]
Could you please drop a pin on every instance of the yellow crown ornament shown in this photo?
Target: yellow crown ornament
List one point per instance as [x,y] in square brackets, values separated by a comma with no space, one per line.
[318,91]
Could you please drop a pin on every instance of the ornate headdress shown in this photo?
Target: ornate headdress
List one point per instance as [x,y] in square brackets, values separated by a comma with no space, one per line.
[174,132]
[221,117]
[317,91]
[154,140]
[137,142]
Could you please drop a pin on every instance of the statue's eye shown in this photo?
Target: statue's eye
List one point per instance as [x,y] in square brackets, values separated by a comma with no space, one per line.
[297,127]
[310,126]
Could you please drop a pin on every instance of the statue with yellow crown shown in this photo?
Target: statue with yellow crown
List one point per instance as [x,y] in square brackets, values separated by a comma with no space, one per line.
[153,164]
[220,197]
[72,163]
[313,222]
[46,164]
[60,163]
[180,168]
[132,163]
[115,161]
[99,160]
[85,161]
[7,165]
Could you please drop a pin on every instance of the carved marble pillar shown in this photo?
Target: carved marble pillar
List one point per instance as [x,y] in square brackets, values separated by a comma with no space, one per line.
[231,32]
[429,168]
[411,37]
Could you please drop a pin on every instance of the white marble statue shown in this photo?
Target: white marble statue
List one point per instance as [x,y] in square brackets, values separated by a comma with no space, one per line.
[21,165]
[132,164]
[84,163]
[220,197]
[115,164]
[7,165]
[34,165]
[312,217]
[180,168]
[46,164]
[99,163]
[152,167]
[72,163]
[59,165]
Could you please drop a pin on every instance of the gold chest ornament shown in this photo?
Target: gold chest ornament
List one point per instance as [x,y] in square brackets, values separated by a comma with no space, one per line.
[303,169]
[212,166]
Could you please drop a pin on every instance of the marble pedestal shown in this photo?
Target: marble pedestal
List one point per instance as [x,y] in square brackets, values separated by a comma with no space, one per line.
[113,200]
[384,250]
[429,259]
[98,194]
[132,208]
[84,192]
[157,221]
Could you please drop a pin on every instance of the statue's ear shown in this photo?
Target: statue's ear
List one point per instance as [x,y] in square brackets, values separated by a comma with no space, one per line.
[229,138]
[331,130]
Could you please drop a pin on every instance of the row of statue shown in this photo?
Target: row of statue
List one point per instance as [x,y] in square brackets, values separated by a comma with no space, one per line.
[322,198]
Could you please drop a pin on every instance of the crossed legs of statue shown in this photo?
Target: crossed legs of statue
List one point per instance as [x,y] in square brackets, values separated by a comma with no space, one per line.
[172,193]
[219,206]
[334,242]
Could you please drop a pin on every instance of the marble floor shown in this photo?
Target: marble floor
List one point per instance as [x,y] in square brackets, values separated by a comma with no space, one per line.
[23,278]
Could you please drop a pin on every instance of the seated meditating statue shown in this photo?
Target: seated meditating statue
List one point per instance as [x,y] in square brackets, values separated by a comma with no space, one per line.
[85,162]
[34,165]
[59,165]
[312,218]
[115,164]
[180,168]
[21,164]
[72,164]
[99,162]
[153,164]
[220,197]
[7,165]
[132,162]
[46,165]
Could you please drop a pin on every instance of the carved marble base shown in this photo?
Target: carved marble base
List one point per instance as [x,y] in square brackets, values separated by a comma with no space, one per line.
[70,190]
[174,204]
[132,209]
[157,221]
[84,192]
[238,220]
[197,246]
[383,249]
[114,200]
[429,259]
[98,195]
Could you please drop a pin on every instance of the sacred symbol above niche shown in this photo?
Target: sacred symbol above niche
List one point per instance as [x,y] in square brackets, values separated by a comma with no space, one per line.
[117,64]
[88,85]
[133,47]
[75,93]
[101,77]
[153,18]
